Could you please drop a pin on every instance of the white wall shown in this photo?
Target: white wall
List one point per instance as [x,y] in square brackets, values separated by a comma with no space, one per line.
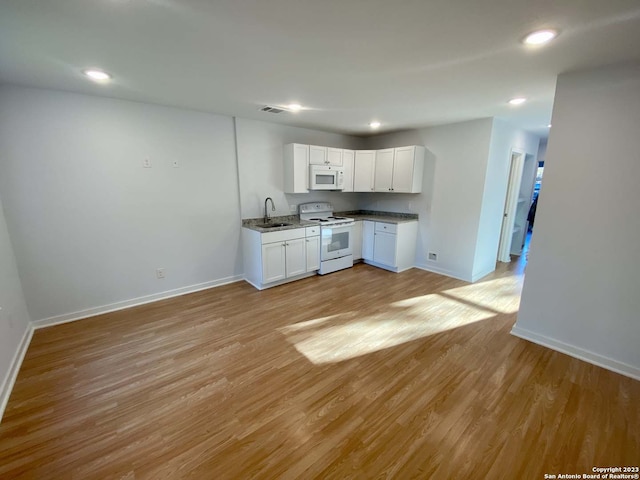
[542,151]
[449,206]
[580,292]
[14,319]
[260,165]
[88,224]
[504,138]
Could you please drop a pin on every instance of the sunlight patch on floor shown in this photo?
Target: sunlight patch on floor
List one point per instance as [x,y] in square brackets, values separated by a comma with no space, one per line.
[501,295]
[352,334]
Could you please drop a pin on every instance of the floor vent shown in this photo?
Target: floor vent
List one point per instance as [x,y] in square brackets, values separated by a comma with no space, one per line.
[271,109]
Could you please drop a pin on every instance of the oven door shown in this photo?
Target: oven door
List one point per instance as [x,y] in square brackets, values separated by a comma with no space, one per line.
[336,241]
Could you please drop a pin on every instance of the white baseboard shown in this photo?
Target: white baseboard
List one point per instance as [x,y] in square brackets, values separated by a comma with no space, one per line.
[478,276]
[260,286]
[577,352]
[12,374]
[442,271]
[112,307]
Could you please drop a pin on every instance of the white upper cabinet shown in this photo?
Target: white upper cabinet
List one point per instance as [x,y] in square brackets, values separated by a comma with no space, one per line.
[317,155]
[296,168]
[325,156]
[335,156]
[391,170]
[348,164]
[383,178]
[408,169]
[364,169]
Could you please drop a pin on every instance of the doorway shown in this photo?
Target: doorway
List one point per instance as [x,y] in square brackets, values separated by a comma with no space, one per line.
[522,174]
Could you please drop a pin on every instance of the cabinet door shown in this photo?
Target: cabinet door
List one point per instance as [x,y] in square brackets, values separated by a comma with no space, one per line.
[348,160]
[313,253]
[384,248]
[384,170]
[365,166]
[296,168]
[317,155]
[273,262]
[356,244]
[334,156]
[367,239]
[296,257]
[403,169]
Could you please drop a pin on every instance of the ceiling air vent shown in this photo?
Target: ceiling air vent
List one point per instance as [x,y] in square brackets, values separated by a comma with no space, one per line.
[271,109]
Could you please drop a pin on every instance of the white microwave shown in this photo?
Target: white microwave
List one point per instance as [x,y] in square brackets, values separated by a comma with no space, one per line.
[325,177]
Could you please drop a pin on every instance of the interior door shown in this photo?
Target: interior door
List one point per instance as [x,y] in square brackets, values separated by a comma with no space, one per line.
[510,205]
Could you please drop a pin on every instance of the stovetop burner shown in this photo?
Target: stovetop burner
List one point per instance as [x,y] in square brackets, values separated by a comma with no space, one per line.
[322,212]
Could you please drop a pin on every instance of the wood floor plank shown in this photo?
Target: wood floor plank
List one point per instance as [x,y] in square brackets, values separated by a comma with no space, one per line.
[358,374]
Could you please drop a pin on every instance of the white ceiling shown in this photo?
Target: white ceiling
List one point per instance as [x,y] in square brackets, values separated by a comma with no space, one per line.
[406,63]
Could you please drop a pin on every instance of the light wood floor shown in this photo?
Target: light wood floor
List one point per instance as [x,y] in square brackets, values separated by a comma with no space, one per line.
[358,374]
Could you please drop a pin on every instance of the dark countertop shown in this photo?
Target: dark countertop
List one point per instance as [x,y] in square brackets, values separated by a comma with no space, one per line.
[387,217]
[295,222]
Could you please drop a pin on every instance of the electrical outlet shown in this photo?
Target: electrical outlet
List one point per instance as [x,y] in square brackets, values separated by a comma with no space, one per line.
[433,256]
[293,208]
[175,164]
[146,163]
[160,272]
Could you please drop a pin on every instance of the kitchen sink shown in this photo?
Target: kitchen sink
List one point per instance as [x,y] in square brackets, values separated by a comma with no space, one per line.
[272,225]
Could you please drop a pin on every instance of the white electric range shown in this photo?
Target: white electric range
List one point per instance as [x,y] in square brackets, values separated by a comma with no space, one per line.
[336,233]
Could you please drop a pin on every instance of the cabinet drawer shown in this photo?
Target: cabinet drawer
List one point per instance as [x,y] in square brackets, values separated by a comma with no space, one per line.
[282,235]
[313,231]
[386,227]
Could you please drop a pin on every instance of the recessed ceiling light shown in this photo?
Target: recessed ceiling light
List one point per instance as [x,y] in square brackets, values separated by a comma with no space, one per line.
[294,107]
[517,101]
[549,126]
[97,75]
[374,124]
[540,37]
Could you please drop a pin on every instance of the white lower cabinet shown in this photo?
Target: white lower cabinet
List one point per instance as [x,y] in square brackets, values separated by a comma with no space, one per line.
[273,258]
[368,229]
[273,262]
[295,258]
[384,248]
[313,249]
[356,241]
[391,246]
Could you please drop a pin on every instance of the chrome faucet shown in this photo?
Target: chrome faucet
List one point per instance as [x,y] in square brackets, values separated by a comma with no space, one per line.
[273,209]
